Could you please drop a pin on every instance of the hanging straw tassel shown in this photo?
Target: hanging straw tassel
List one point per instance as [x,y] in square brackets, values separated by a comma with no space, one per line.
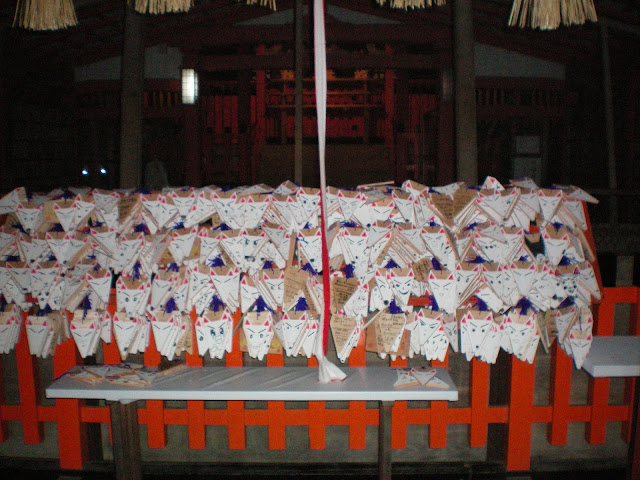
[263,3]
[158,7]
[546,14]
[45,14]
[578,11]
[549,14]
[411,4]
[520,11]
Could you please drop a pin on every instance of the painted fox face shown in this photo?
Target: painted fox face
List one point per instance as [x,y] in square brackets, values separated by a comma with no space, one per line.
[183,200]
[226,280]
[274,280]
[308,201]
[85,332]
[124,329]
[30,217]
[402,282]
[310,242]
[404,202]
[252,241]
[254,207]
[249,293]
[131,295]
[442,285]
[465,275]
[493,250]
[475,327]
[100,282]
[549,202]
[201,209]
[128,248]
[42,277]
[349,202]
[182,242]
[438,242]
[226,205]
[38,328]
[161,211]
[291,329]
[220,332]
[356,240]
[588,278]
[524,274]
[233,243]
[258,330]
[381,209]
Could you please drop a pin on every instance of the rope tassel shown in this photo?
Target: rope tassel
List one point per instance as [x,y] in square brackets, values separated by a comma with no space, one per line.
[411,4]
[158,7]
[45,14]
[549,14]
[271,4]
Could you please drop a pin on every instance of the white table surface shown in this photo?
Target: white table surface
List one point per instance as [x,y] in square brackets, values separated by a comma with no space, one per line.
[617,356]
[259,383]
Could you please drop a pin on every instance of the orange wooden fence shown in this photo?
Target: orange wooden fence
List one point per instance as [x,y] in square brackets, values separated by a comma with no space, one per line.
[518,415]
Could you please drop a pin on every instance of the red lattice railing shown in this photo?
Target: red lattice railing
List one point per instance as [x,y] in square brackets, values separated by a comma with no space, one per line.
[518,415]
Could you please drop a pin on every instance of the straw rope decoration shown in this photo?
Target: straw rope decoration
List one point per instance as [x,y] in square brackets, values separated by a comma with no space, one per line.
[411,4]
[399,4]
[263,3]
[45,14]
[158,7]
[549,14]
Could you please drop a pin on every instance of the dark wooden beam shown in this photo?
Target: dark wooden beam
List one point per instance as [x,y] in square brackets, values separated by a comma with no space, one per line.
[428,17]
[4,118]
[338,60]
[201,18]
[254,34]
[132,78]
[299,74]
[212,24]
[464,95]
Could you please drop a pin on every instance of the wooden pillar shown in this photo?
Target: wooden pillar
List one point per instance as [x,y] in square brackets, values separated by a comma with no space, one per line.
[299,74]
[192,174]
[132,78]
[389,110]
[402,123]
[260,130]
[244,123]
[446,156]
[609,126]
[244,101]
[633,466]
[464,93]
[4,113]
[384,440]
[631,130]
[126,440]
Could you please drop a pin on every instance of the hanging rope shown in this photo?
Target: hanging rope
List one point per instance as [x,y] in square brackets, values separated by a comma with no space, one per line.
[158,7]
[263,3]
[549,14]
[327,371]
[411,4]
[45,14]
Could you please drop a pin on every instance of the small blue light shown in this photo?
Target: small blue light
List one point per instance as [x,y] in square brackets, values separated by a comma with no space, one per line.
[103,171]
[85,172]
